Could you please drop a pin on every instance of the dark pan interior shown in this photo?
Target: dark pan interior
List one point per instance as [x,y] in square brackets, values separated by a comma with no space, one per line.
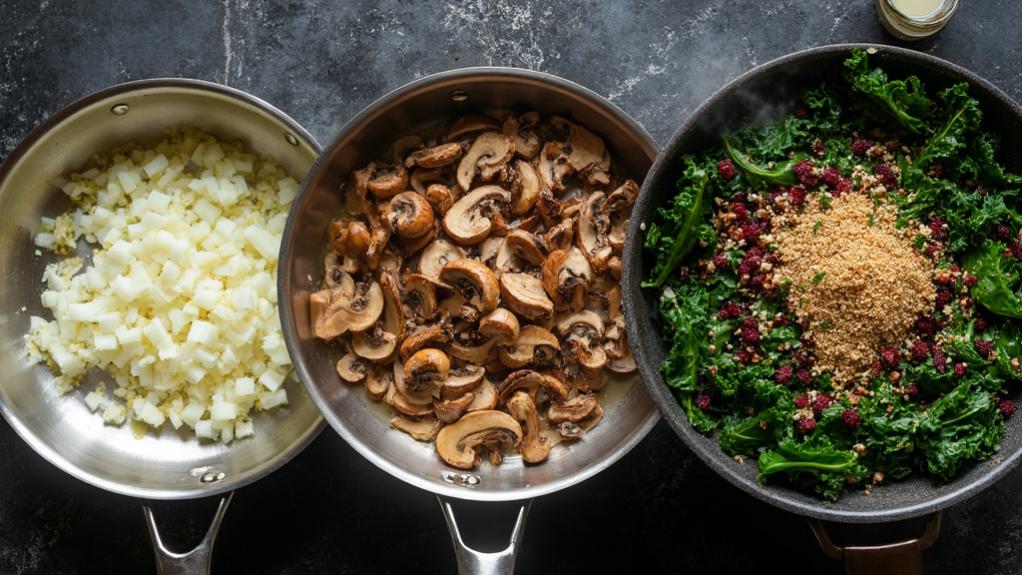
[759,95]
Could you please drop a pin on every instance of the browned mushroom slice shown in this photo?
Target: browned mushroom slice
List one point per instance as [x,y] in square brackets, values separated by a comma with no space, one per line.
[422,177]
[520,246]
[534,345]
[489,249]
[593,227]
[410,246]
[522,130]
[525,296]
[574,410]
[566,277]
[435,157]
[474,354]
[425,371]
[461,380]
[335,312]
[489,154]
[579,376]
[553,167]
[335,275]
[470,124]
[351,369]
[534,446]
[374,344]
[403,146]
[584,331]
[588,155]
[474,281]
[561,236]
[421,429]
[485,397]
[440,197]
[622,197]
[526,188]
[434,335]
[350,238]
[420,295]
[410,215]
[437,255]
[500,325]
[615,343]
[531,380]
[402,404]
[387,180]
[378,382]
[469,220]
[448,410]
[460,444]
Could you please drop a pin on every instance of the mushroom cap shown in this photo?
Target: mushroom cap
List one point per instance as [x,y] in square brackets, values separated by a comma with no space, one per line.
[458,443]
[524,294]
[470,124]
[574,410]
[436,255]
[526,188]
[500,325]
[533,341]
[421,429]
[435,157]
[432,335]
[521,130]
[534,446]
[553,167]
[350,238]
[375,345]
[410,215]
[474,281]
[531,380]
[468,220]
[461,380]
[585,324]
[386,180]
[588,154]
[474,354]
[520,245]
[335,312]
[425,371]
[351,369]
[448,410]
[440,197]
[420,295]
[566,278]
[485,397]
[487,155]
[378,382]
[421,177]
[402,404]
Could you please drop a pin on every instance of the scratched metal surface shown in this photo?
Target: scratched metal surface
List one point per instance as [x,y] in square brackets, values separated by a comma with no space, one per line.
[331,512]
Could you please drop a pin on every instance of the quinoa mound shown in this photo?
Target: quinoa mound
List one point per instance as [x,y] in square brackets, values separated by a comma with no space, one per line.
[857,284]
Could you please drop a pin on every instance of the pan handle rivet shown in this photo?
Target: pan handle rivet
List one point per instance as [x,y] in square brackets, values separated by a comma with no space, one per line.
[291,139]
[459,96]
[212,476]
[119,109]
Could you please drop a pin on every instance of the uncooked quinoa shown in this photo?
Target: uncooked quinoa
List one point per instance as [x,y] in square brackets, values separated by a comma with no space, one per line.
[856,282]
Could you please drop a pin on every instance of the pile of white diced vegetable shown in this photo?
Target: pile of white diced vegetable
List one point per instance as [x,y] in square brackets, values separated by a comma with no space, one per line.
[179,304]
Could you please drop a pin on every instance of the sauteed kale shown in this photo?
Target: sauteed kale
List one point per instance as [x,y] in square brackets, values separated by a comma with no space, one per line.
[840,290]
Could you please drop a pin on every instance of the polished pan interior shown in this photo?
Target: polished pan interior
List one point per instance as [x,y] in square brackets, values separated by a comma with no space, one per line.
[427,104]
[760,95]
[169,465]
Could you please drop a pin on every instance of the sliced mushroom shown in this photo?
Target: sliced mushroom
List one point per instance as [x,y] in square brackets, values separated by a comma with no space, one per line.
[435,157]
[410,215]
[350,238]
[593,226]
[561,236]
[387,180]
[402,404]
[525,296]
[620,359]
[584,331]
[426,370]
[351,369]
[436,334]
[572,430]
[485,397]
[470,124]
[474,281]
[378,383]
[534,446]
[522,130]
[440,197]
[459,444]
[622,197]
[410,246]
[335,312]
[520,246]
[500,325]
[535,346]
[437,255]
[421,429]
[579,376]
[422,177]
[531,381]
[448,410]
[566,278]
[420,295]
[475,354]
[461,380]
[574,410]
[553,167]
[587,154]
[489,249]
[403,146]
[525,191]
[374,344]
[489,154]
[335,275]
[469,220]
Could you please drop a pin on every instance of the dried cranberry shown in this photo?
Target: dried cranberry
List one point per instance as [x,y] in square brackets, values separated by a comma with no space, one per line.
[806,424]
[744,356]
[851,418]
[822,402]
[913,390]
[860,146]
[726,169]
[938,228]
[983,348]
[730,310]
[802,401]
[702,401]
[797,195]
[944,297]
[969,280]
[887,175]
[804,376]
[1002,232]
[939,360]
[926,326]
[818,147]
[740,211]
[783,374]
[959,369]
[831,176]
[804,172]
[920,350]
[843,187]
[750,330]
[931,249]
[981,324]
[890,356]
[750,232]
[720,261]
[1007,407]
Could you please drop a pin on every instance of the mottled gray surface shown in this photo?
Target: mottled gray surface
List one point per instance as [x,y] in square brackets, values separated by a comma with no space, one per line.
[331,512]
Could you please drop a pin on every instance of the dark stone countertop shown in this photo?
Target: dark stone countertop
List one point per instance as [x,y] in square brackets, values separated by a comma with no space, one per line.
[329,511]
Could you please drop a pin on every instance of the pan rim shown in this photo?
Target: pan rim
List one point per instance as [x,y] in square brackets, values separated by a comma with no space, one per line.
[290,338]
[43,448]
[673,414]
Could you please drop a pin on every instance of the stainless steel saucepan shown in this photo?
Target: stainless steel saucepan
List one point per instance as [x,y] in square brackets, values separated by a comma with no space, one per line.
[423,105]
[60,428]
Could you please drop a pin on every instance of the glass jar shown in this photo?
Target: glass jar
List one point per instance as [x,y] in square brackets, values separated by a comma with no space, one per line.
[909,25]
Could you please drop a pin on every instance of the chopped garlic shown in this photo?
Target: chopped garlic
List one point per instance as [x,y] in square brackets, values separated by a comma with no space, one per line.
[178,302]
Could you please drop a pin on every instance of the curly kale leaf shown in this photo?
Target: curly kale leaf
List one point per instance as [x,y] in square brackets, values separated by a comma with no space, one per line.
[744,435]
[961,427]
[997,279]
[684,313]
[962,115]
[814,463]
[782,174]
[904,101]
[679,225]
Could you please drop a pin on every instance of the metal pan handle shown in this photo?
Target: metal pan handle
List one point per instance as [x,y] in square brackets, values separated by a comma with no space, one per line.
[194,562]
[472,562]
[902,557]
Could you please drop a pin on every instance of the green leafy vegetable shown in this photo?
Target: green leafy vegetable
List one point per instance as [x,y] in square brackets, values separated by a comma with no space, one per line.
[673,239]
[904,101]
[782,174]
[995,277]
[824,466]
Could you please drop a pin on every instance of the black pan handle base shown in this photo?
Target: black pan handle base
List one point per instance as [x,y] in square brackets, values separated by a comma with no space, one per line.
[901,557]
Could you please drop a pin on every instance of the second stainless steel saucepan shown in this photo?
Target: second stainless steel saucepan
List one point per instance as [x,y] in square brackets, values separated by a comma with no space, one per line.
[60,428]
[428,104]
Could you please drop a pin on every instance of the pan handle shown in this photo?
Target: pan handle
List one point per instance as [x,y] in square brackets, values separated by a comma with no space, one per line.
[194,562]
[902,557]
[472,562]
